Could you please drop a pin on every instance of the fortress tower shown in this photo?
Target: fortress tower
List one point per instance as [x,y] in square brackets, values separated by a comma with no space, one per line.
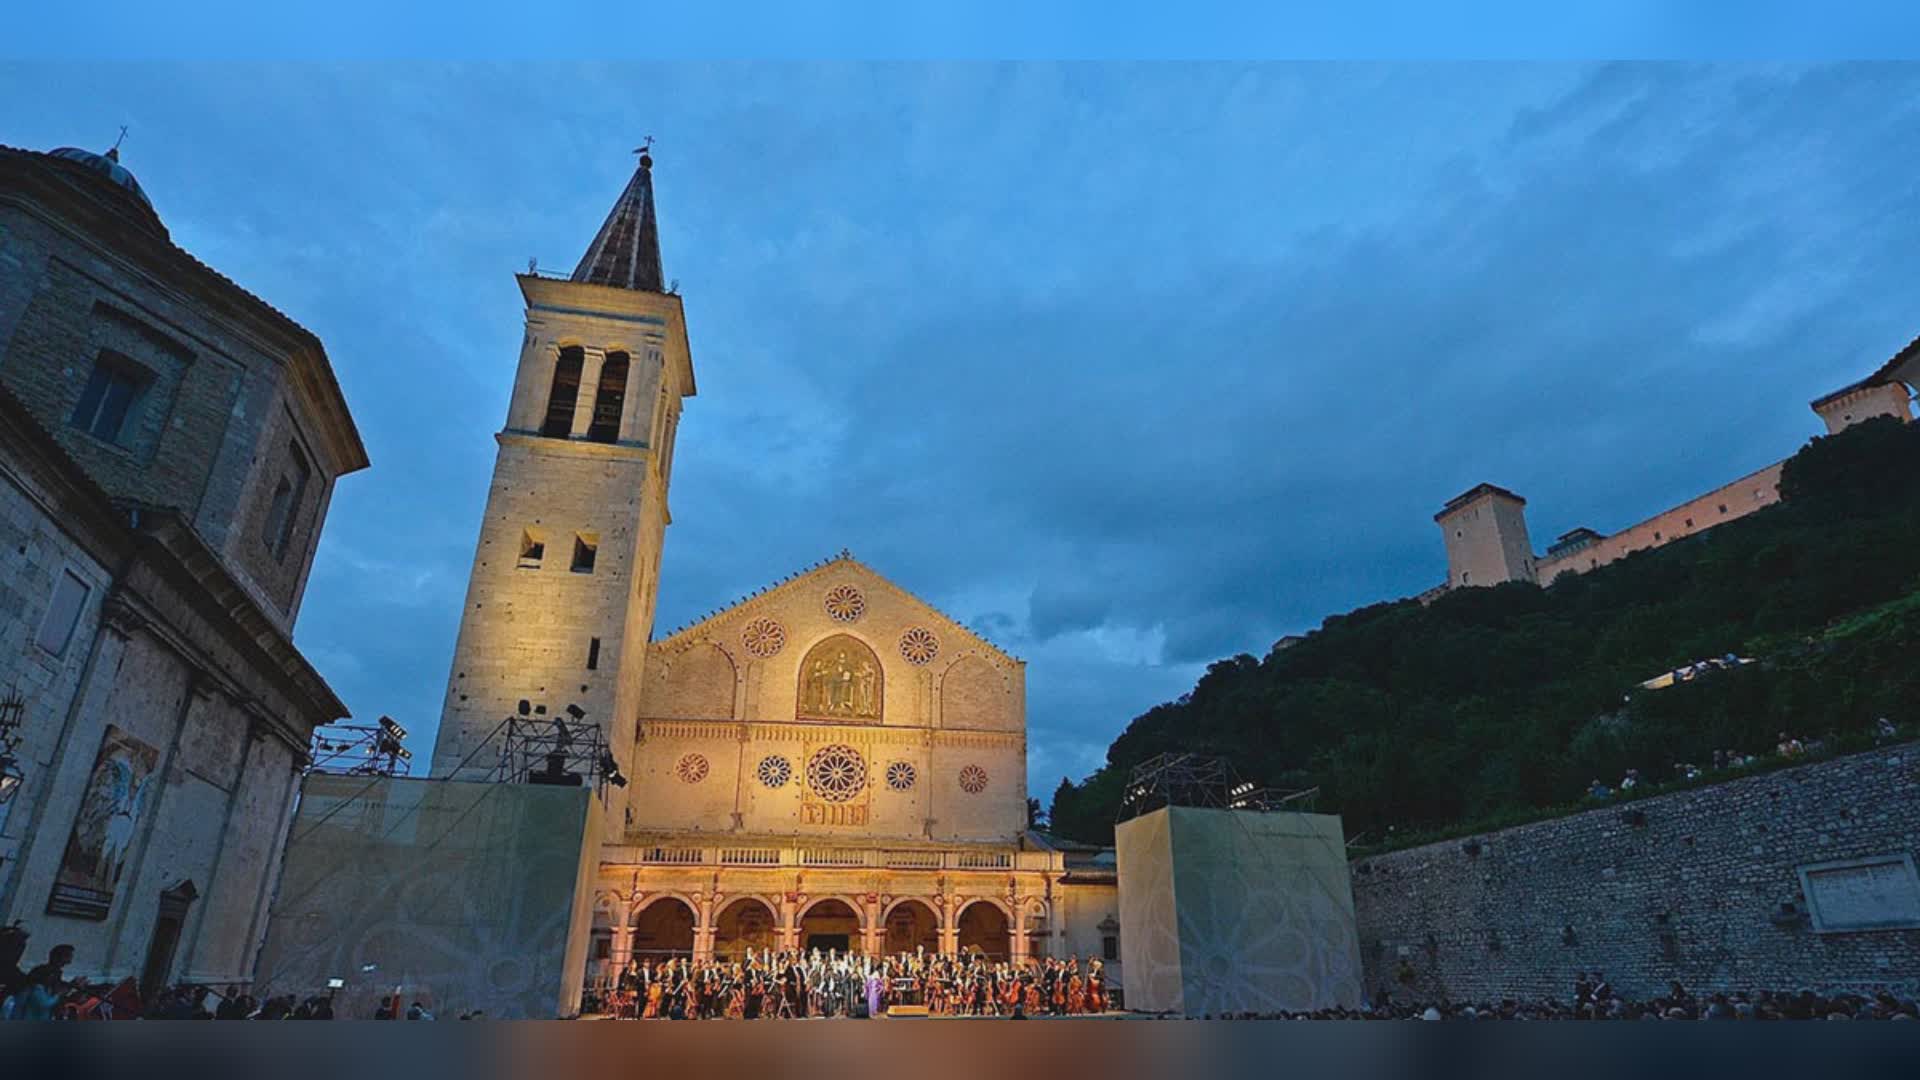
[561,599]
[1486,533]
[1865,400]
[1486,528]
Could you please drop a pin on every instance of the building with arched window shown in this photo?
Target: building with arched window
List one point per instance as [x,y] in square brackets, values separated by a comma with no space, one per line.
[169,447]
[830,763]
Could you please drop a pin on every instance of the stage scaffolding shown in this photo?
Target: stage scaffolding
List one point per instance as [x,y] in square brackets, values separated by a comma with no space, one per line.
[1199,780]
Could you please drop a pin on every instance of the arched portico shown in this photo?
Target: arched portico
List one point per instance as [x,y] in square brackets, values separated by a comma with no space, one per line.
[1033,930]
[745,922]
[663,928]
[832,922]
[910,924]
[983,926]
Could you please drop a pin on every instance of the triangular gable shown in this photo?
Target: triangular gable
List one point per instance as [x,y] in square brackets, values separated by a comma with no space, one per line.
[778,591]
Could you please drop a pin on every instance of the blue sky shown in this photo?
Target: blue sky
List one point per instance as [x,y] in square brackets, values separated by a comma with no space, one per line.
[1130,366]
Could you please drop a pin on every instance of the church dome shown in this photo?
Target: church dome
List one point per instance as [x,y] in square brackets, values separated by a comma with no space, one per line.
[107,165]
[108,181]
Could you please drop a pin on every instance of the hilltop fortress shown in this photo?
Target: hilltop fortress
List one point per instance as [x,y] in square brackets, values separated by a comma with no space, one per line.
[1485,527]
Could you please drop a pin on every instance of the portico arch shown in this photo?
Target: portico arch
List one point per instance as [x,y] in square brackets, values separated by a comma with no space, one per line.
[984,927]
[831,922]
[1035,930]
[663,929]
[910,924]
[747,922]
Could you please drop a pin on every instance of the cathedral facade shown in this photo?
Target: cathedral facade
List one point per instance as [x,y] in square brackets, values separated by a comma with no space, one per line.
[830,763]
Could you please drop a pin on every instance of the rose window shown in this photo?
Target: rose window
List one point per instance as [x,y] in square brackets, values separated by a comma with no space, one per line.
[900,776]
[919,645]
[973,779]
[836,773]
[844,603]
[763,637]
[775,771]
[692,768]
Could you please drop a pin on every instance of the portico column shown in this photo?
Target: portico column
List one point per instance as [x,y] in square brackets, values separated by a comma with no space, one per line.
[703,930]
[949,925]
[622,937]
[789,925]
[590,367]
[870,926]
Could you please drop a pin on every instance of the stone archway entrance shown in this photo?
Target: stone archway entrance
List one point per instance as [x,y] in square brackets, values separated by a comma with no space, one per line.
[911,925]
[830,924]
[663,930]
[983,928]
[744,924]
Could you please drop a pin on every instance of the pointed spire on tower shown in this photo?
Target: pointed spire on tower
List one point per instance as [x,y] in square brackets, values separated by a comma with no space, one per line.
[626,252]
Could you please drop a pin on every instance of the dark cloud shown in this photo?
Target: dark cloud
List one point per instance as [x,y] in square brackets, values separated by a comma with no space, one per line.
[1129,368]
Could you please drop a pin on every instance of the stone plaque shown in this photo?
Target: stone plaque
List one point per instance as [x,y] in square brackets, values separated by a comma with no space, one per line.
[1880,893]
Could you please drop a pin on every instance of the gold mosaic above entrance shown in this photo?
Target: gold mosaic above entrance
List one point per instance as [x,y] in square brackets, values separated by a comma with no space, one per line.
[840,680]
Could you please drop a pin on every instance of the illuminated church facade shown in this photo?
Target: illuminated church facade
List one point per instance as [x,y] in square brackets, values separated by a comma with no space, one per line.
[830,763]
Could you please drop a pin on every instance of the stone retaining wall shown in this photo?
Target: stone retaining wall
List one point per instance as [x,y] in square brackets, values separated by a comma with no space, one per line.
[1704,886]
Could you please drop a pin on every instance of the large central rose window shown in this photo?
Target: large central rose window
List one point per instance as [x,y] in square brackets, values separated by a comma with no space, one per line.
[836,773]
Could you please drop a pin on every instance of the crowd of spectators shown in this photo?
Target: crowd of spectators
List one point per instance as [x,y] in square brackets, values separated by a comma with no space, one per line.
[1593,999]
[44,992]
[1787,746]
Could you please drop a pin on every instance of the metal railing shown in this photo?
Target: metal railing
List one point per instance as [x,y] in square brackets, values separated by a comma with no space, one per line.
[846,858]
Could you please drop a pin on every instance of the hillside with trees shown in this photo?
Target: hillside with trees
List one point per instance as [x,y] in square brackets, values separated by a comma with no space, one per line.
[1492,703]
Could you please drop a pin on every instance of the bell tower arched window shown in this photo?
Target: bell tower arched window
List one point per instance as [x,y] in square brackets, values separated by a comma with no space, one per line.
[564,394]
[608,399]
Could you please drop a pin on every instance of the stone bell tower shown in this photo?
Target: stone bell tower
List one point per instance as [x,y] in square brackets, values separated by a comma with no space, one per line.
[560,601]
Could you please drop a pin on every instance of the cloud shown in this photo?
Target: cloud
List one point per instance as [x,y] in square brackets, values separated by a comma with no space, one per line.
[1130,367]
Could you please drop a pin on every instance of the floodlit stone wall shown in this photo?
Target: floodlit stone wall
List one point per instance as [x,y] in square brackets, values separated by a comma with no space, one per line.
[746,713]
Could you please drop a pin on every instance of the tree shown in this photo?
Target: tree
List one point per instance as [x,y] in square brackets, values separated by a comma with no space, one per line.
[1496,700]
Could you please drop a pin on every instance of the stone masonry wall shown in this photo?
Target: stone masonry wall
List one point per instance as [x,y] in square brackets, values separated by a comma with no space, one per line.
[1687,886]
[209,432]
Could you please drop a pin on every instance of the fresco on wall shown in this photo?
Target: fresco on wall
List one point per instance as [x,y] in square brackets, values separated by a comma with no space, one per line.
[103,830]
